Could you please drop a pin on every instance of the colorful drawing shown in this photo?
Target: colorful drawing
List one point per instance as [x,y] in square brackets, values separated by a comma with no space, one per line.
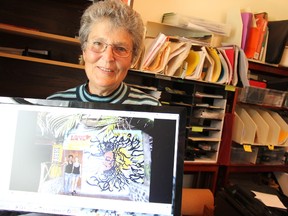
[112,154]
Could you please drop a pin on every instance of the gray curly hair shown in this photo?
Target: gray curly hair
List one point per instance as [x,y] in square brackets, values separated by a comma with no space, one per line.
[121,15]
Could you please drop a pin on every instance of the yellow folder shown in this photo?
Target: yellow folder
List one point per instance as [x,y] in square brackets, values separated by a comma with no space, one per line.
[283,135]
[217,64]
[193,60]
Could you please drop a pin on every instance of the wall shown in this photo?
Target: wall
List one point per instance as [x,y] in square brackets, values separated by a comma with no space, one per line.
[152,10]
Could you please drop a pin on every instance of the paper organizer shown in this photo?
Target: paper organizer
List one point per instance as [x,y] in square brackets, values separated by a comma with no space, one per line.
[259,127]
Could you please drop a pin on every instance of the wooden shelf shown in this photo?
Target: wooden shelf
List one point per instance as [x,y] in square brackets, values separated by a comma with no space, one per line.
[257,168]
[268,68]
[39,60]
[203,168]
[244,169]
[37,34]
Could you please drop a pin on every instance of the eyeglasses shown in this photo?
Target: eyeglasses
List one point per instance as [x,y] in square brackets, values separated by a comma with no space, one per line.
[99,47]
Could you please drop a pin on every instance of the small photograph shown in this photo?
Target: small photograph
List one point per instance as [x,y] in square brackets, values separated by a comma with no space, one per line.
[97,156]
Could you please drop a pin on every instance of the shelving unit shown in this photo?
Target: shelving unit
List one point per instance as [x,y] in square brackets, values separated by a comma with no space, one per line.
[205,127]
[30,76]
[275,76]
[153,28]
[269,69]
[244,157]
[206,105]
[14,30]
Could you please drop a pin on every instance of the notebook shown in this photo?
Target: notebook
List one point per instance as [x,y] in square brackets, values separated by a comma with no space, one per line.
[74,158]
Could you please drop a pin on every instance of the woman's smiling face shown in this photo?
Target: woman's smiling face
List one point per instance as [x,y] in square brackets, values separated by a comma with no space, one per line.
[105,70]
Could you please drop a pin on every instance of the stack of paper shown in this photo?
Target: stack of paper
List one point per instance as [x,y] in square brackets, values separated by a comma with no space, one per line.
[197,24]
[163,55]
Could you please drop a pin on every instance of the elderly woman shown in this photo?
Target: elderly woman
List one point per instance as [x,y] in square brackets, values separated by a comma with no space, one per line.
[111,36]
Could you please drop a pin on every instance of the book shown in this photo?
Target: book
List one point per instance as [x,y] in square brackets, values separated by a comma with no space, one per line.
[261,22]
[264,46]
[11,50]
[44,54]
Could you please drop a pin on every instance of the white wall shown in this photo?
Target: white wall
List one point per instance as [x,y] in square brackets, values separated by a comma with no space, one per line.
[214,10]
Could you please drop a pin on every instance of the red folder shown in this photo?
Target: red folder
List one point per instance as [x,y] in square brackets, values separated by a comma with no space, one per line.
[252,42]
[261,22]
[256,36]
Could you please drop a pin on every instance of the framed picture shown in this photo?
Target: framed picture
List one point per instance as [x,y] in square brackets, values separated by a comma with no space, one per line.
[128,2]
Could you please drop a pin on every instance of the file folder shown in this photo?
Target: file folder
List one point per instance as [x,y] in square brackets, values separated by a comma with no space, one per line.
[238,129]
[274,128]
[225,68]
[217,64]
[193,60]
[249,126]
[197,73]
[283,135]
[262,127]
